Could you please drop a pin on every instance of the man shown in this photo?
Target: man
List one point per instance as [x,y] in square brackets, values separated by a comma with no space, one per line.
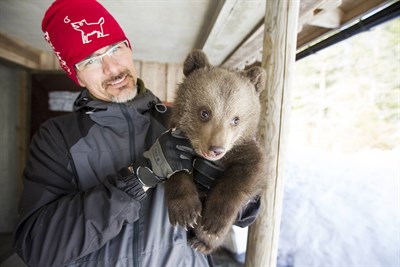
[93,192]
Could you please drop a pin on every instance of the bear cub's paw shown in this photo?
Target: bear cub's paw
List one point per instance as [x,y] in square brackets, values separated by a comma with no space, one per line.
[184,211]
[183,200]
[216,221]
[200,246]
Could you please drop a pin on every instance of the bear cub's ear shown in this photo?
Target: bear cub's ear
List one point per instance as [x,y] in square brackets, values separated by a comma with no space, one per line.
[195,60]
[257,77]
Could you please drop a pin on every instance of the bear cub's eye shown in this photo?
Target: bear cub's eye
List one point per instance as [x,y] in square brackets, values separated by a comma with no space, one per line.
[204,115]
[235,121]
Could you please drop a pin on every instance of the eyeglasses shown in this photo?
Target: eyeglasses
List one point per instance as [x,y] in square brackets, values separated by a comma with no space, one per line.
[116,51]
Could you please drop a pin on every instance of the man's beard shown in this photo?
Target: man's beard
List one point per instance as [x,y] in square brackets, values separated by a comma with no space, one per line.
[126,94]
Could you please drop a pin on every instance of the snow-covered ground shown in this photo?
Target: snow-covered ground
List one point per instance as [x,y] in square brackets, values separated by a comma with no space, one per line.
[341,210]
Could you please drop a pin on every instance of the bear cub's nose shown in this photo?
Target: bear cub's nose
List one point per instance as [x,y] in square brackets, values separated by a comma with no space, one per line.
[216,150]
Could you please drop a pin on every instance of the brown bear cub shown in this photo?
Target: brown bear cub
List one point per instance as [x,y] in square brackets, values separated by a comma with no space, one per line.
[218,110]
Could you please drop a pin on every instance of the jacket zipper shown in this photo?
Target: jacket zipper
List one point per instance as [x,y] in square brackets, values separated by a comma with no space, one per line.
[131,130]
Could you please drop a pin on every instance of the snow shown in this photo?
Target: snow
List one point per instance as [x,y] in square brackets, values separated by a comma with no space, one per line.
[341,209]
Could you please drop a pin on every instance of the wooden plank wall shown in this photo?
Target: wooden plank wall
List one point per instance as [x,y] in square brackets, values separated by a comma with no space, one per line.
[162,79]
[12,140]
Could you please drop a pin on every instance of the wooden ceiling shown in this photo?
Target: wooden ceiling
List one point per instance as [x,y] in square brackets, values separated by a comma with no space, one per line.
[317,18]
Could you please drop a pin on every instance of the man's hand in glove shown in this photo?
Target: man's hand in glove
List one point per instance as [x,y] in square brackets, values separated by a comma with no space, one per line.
[171,152]
[205,174]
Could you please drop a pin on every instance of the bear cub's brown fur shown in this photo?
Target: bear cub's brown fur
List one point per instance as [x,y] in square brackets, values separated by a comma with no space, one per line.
[218,110]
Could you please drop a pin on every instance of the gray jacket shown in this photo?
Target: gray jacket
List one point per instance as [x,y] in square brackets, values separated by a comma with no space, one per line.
[74,210]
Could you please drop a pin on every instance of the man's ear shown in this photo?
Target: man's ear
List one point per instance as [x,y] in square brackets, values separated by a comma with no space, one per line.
[195,60]
[79,81]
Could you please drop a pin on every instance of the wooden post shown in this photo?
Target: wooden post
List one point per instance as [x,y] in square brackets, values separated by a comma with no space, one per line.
[279,50]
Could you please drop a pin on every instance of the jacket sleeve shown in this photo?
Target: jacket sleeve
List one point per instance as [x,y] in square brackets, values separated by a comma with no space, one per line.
[59,222]
[248,213]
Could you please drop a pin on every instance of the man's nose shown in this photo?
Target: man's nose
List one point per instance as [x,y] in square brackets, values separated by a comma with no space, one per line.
[110,65]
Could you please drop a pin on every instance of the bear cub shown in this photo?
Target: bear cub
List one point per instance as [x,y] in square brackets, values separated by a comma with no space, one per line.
[218,110]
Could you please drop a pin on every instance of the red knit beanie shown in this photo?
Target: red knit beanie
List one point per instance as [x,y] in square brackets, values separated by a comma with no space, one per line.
[77,28]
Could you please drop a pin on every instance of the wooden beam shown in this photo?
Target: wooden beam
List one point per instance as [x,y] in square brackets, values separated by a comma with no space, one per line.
[312,33]
[328,18]
[321,13]
[220,16]
[310,10]
[18,52]
[49,61]
[363,8]
[247,52]
[278,60]
[251,46]
[15,51]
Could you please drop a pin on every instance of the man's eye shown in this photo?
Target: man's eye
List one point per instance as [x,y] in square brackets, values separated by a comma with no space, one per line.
[115,49]
[92,61]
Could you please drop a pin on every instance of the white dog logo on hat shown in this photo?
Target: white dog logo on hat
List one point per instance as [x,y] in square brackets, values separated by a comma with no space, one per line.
[88,29]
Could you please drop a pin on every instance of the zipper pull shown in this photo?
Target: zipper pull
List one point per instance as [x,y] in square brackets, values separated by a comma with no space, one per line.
[161,108]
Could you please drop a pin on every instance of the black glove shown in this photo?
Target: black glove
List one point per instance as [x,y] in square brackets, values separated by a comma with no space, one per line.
[127,181]
[206,173]
[170,153]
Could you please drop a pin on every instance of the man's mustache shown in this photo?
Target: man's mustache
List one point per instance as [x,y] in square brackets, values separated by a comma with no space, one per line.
[105,83]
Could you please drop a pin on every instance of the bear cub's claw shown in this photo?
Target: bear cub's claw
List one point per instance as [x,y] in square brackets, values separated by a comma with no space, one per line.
[199,246]
[185,212]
